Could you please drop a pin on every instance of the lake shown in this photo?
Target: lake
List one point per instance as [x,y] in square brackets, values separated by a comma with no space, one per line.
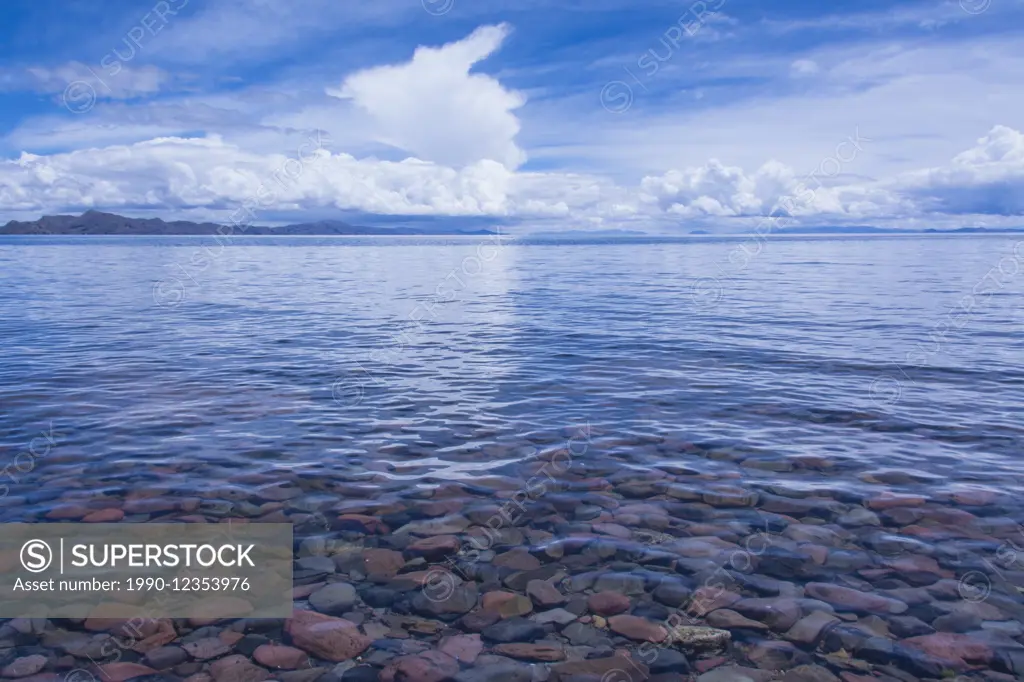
[853,403]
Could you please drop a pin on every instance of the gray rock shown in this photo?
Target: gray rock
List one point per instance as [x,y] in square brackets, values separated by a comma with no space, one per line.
[735,673]
[333,599]
[165,657]
[672,593]
[461,601]
[514,630]
[557,616]
[499,672]
[318,564]
[623,583]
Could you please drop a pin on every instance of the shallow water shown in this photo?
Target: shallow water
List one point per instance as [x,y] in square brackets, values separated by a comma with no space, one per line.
[723,382]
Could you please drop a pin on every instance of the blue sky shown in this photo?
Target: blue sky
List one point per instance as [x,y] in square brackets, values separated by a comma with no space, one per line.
[661,116]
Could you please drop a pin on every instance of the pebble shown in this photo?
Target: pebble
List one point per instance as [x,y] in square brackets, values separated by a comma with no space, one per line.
[334,599]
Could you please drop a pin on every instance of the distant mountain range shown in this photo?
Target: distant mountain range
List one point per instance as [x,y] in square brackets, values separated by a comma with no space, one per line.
[98,223]
[867,229]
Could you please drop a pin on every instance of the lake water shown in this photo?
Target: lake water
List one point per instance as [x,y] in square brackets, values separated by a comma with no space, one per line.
[725,383]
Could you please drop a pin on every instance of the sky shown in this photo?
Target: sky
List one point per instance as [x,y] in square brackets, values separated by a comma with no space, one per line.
[664,117]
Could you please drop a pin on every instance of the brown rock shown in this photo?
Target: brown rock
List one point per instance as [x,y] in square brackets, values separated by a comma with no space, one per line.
[849,599]
[707,599]
[68,511]
[888,500]
[728,619]
[435,547]
[961,650]
[617,668]
[517,559]
[280,657]
[237,668]
[361,523]
[546,653]
[506,604]
[636,628]
[111,515]
[430,666]
[333,639]
[463,648]
[164,634]
[382,563]
[152,505]
[119,672]
[809,673]
[608,603]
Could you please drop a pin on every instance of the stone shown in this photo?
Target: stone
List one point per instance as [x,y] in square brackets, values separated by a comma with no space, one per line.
[463,648]
[111,515]
[514,630]
[608,603]
[809,629]
[506,604]
[727,619]
[707,599]
[334,599]
[121,671]
[809,673]
[699,638]
[775,655]
[531,652]
[430,666]
[382,563]
[333,639]
[735,673]
[476,621]
[434,548]
[638,629]
[544,594]
[280,657]
[849,599]
[623,583]
[461,600]
[360,673]
[617,668]
[672,593]
[316,564]
[498,672]
[24,666]
[165,657]
[557,616]
[517,559]
[206,648]
[668,660]
[778,613]
[237,668]
[445,525]
[960,649]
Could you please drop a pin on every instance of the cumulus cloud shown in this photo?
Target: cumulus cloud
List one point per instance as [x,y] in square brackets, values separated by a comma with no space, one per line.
[436,109]
[215,177]
[986,179]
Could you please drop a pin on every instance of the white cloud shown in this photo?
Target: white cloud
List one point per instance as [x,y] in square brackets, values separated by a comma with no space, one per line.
[986,179]
[128,83]
[802,68]
[434,108]
[215,178]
